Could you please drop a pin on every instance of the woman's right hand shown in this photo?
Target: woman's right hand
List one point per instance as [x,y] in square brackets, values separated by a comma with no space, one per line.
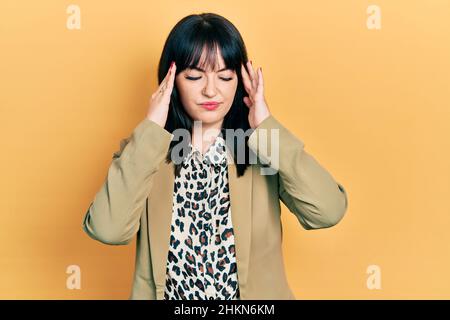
[159,103]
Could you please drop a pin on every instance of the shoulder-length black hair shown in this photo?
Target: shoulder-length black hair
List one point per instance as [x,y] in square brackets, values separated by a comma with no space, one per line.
[184,45]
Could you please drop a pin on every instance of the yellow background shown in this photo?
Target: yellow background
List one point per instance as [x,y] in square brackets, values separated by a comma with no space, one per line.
[372,106]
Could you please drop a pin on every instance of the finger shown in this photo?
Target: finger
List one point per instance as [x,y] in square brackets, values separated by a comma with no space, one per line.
[164,81]
[170,81]
[246,79]
[248,102]
[162,85]
[252,75]
[160,92]
[260,89]
[161,89]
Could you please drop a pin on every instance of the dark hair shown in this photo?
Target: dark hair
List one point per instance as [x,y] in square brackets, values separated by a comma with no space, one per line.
[184,45]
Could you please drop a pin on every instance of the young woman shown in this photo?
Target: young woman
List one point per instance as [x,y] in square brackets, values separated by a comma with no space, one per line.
[207,218]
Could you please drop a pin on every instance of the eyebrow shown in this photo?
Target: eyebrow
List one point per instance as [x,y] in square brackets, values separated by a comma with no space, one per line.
[200,69]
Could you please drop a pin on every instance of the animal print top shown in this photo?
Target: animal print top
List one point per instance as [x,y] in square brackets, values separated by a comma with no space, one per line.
[201,263]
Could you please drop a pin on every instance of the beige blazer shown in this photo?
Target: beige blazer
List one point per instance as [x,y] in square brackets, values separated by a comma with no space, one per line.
[136,199]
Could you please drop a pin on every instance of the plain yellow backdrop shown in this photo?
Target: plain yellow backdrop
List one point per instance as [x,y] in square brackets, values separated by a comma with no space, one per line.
[372,106]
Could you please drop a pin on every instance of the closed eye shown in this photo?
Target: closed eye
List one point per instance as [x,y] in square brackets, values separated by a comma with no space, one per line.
[196,78]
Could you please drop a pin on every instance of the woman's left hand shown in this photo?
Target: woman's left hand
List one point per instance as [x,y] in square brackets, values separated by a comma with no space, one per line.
[254,85]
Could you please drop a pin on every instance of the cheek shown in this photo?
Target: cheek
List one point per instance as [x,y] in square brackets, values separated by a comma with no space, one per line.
[230,90]
[186,90]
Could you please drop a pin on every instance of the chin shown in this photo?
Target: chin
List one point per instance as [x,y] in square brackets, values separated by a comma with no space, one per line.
[207,117]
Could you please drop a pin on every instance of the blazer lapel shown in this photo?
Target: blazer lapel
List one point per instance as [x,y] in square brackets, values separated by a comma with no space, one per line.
[241,215]
[160,218]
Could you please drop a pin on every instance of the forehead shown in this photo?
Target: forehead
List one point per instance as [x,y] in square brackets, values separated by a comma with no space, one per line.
[207,60]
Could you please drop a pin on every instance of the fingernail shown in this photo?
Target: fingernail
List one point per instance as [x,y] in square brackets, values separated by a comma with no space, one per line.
[172,64]
[251,62]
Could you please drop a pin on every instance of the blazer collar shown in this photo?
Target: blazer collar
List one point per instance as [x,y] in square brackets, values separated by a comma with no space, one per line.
[217,153]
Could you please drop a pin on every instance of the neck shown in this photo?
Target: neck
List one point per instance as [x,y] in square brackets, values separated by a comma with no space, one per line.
[205,134]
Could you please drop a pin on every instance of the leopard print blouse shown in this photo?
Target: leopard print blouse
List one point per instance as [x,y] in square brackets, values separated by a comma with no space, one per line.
[201,263]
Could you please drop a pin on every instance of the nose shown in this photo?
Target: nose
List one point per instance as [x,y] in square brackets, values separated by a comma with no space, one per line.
[210,88]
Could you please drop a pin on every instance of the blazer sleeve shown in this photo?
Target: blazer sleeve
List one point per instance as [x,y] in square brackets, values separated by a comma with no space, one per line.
[306,188]
[113,217]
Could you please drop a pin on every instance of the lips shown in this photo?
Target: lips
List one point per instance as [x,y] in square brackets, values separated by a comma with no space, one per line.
[210,105]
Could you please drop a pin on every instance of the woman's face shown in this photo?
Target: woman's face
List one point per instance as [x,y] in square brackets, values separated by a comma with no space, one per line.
[199,86]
